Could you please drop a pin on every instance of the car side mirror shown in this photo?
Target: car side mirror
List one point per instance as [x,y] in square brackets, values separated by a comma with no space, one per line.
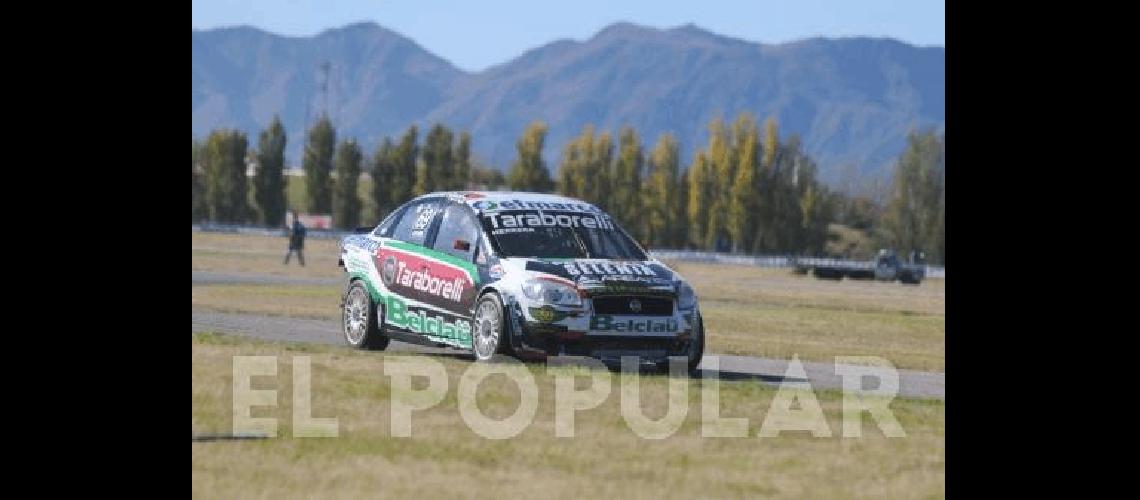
[462,245]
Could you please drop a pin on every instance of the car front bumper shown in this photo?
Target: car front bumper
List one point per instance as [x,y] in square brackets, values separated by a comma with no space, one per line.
[570,335]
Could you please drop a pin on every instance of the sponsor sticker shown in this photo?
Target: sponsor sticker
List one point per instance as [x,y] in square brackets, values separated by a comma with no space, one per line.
[492,206]
[627,286]
[388,270]
[548,314]
[629,276]
[608,270]
[509,230]
[361,241]
[538,219]
[496,271]
[355,264]
[436,280]
[434,326]
[608,323]
[425,279]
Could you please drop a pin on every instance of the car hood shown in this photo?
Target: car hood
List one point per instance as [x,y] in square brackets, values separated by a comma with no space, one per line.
[602,276]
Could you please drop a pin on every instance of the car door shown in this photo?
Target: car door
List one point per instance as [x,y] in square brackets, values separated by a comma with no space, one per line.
[455,244]
[426,288]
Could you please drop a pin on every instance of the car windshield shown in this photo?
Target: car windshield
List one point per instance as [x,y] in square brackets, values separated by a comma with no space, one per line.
[551,234]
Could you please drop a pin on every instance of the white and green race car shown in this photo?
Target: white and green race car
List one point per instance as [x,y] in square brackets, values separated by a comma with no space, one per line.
[525,274]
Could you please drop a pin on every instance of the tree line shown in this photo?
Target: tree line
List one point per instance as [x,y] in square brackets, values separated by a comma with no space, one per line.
[400,169]
[746,190]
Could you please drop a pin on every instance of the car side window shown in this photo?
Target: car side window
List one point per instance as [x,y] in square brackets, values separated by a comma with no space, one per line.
[416,222]
[482,251]
[458,232]
[384,230]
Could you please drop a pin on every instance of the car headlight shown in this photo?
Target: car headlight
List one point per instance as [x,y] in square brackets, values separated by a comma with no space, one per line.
[686,297]
[551,292]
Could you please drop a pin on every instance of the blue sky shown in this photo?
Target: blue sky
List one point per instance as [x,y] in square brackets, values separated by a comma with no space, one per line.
[476,34]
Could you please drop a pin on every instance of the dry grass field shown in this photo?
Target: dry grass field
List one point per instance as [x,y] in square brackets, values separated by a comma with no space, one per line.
[774,313]
[605,458]
[747,310]
[234,253]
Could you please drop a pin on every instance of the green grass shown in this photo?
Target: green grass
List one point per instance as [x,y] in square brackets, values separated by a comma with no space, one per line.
[605,458]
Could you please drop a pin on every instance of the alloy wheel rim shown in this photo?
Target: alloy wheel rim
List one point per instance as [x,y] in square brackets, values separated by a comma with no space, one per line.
[355,316]
[486,339]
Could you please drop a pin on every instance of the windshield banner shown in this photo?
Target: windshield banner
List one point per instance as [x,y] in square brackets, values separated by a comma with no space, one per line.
[527,221]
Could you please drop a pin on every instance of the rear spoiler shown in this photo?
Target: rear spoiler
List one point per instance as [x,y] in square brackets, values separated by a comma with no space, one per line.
[362,230]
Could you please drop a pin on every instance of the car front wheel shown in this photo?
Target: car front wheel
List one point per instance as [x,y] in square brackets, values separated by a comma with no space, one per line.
[696,350]
[697,344]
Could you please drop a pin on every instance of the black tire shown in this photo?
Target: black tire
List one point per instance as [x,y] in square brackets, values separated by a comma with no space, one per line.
[357,307]
[698,344]
[488,326]
[662,368]
[506,347]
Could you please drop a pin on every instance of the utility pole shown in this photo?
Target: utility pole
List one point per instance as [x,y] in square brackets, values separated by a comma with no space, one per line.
[325,87]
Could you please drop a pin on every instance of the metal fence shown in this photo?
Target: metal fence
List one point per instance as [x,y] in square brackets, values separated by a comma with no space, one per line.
[773,260]
[680,255]
[320,234]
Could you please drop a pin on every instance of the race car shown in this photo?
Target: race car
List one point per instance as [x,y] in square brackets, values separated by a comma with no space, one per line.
[523,274]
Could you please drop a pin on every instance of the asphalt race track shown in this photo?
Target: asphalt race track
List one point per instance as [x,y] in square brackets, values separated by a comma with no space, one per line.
[324,331]
[207,277]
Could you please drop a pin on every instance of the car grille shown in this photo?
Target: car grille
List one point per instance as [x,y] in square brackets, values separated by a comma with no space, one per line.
[620,304]
[621,346]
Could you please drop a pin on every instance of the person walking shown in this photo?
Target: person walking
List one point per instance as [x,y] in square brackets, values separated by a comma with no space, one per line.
[296,240]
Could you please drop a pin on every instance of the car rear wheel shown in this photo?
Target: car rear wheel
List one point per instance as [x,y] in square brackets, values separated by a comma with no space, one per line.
[488,331]
[360,322]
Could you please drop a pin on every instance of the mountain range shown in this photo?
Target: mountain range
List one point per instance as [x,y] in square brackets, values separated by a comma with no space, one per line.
[851,100]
